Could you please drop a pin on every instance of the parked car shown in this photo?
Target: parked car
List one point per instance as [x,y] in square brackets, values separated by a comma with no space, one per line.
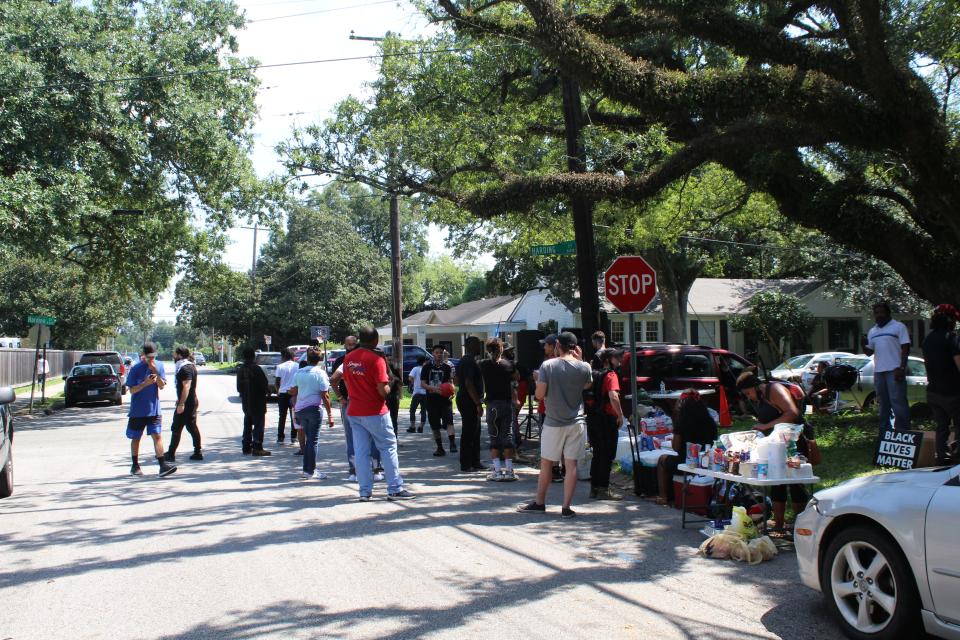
[92,383]
[268,361]
[199,359]
[882,550]
[410,354]
[7,396]
[796,368]
[863,394]
[332,356]
[683,366]
[113,358]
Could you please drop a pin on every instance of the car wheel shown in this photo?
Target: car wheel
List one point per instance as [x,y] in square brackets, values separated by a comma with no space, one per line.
[6,478]
[870,403]
[868,585]
[118,401]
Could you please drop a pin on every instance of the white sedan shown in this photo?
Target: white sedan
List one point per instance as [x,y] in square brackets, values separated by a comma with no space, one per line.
[883,551]
[793,370]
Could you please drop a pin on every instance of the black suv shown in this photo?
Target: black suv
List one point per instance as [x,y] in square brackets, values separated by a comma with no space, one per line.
[685,366]
[7,396]
[411,353]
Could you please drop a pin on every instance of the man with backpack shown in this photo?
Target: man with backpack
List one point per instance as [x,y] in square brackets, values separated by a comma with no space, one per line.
[604,418]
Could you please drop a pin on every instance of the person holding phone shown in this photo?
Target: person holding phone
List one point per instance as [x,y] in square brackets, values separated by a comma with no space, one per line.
[144,381]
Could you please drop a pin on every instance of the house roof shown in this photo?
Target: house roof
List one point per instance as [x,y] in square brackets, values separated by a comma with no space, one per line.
[476,312]
[725,296]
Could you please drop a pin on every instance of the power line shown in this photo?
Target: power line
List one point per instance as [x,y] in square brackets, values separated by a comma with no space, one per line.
[252,67]
[331,10]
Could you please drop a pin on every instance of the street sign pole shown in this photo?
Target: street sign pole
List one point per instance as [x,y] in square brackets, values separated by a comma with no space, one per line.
[36,356]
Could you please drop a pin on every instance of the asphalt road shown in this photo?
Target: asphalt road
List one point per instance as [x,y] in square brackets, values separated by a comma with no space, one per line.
[237,547]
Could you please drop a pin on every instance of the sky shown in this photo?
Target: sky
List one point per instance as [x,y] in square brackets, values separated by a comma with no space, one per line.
[281,31]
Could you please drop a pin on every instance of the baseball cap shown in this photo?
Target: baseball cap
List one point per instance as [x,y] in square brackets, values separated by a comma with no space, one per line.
[550,339]
[567,340]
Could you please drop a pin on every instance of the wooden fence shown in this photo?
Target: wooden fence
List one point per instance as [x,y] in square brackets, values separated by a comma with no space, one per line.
[17,366]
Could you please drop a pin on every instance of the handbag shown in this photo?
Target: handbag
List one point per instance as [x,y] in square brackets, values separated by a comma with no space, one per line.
[813,453]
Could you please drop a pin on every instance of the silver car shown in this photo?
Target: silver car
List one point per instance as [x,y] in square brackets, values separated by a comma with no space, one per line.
[882,550]
[7,396]
[794,369]
[863,393]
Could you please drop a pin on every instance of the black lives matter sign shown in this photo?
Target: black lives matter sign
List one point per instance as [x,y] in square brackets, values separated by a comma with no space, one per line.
[898,448]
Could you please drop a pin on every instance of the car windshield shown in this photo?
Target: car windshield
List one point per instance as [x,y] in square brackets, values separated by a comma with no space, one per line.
[796,362]
[100,358]
[268,358]
[857,363]
[92,370]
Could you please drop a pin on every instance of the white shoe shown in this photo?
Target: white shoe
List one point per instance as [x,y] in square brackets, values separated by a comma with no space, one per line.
[378,477]
[508,476]
[306,476]
[493,477]
[352,477]
[319,475]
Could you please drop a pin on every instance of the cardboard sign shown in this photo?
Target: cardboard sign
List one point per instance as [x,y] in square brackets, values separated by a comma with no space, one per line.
[899,449]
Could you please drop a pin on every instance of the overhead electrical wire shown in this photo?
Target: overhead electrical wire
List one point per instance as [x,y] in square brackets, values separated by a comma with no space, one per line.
[252,67]
[319,11]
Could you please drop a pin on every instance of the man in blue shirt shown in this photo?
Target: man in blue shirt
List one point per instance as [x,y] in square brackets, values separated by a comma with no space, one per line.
[145,379]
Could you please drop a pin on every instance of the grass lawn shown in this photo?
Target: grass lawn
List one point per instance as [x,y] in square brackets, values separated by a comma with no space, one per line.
[217,366]
[25,389]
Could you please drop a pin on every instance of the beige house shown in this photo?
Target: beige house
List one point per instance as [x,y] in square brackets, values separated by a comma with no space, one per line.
[502,316]
[714,301]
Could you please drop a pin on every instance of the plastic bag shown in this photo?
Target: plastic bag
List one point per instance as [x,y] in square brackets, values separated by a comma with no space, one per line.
[741,524]
[788,432]
[724,545]
[761,550]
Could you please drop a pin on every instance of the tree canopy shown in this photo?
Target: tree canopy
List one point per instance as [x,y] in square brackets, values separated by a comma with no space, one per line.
[843,113]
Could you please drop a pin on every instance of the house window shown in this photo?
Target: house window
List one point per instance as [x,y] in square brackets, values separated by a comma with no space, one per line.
[842,335]
[707,333]
[616,331]
[651,332]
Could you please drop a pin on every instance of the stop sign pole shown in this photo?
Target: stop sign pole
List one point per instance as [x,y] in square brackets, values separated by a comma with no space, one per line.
[630,284]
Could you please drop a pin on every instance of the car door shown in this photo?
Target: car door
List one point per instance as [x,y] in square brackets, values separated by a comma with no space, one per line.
[943,561]
[916,381]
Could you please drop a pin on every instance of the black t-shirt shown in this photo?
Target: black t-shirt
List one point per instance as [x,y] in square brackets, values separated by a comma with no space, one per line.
[434,374]
[498,379]
[253,386]
[939,348]
[468,369]
[342,385]
[188,372]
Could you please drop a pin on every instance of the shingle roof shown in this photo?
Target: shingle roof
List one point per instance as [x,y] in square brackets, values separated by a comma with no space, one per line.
[725,296]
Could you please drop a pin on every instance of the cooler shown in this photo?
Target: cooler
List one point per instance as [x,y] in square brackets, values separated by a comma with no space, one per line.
[699,492]
[649,485]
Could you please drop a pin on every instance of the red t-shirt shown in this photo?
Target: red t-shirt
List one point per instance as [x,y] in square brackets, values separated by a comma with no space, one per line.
[363,370]
[610,383]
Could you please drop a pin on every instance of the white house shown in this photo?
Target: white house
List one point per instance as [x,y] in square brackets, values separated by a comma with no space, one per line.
[502,316]
[714,301]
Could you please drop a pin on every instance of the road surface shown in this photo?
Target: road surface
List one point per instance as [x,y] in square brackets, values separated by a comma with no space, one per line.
[239,547]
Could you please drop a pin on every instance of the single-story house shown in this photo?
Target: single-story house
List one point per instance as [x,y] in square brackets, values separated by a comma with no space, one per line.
[712,302]
[501,316]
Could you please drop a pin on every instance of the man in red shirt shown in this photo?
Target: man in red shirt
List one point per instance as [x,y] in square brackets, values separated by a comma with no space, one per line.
[368,385]
[604,417]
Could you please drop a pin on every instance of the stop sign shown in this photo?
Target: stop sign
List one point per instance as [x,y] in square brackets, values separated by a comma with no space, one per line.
[630,284]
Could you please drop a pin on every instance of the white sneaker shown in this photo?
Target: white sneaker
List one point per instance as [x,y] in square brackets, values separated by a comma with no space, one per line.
[352,477]
[378,477]
[508,476]
[493,477]
[319,475]
[306,476]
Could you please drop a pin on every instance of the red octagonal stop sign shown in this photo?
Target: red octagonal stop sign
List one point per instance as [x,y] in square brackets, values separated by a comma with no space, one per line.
[630,284]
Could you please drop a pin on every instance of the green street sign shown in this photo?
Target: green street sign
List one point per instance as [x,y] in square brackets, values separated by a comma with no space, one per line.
[47,320]
[567,248]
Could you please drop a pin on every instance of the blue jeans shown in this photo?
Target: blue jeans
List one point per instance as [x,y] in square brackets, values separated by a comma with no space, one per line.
[376,430]
[310,419]
[348,434]
[892,397]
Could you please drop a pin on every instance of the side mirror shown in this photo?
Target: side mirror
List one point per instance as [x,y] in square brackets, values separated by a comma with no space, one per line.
[7,395]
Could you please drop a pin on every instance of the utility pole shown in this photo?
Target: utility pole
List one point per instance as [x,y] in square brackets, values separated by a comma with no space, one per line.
[253,281]
[396,322]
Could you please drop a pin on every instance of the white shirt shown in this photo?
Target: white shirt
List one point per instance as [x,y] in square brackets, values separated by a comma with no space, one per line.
[43,367]
[286,371]
[886,342]
[417,382]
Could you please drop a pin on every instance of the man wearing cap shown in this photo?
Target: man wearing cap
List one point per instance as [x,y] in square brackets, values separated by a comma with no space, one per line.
[470,404]
[560,385]
[145,379]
